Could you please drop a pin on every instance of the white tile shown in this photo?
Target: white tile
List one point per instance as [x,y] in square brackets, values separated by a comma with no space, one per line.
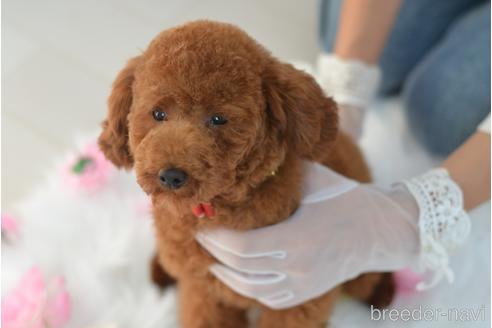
[297,12]
[55,96]
[26,156]
[94,32]
[156,13]
[105,34]
[15,49]
[286,37]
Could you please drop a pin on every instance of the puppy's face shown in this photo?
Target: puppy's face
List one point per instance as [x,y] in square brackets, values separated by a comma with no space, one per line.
[194,121]
[206,113]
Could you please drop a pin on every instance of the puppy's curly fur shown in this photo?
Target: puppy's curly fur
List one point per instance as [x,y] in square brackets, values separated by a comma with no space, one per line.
[276,117]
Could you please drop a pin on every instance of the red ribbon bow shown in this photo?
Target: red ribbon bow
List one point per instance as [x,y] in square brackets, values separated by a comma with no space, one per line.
[203,209]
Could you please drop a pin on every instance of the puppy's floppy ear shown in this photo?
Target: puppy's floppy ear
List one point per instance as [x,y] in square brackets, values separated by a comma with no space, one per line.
[298,109]
[113,140]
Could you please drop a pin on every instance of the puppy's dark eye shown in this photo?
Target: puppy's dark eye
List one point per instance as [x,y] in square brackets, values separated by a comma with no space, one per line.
[158,114]
[218,120]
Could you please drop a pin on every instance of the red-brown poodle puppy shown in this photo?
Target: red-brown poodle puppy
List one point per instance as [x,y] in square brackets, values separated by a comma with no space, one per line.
[214,124]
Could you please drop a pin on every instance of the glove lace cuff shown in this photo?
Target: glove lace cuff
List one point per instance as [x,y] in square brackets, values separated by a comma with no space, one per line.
[349,82]
[443,223]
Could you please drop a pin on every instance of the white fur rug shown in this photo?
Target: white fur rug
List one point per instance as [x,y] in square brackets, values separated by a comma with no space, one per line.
[101,243]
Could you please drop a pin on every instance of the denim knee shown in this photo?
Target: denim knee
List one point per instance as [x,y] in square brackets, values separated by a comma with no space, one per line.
[448,93]
[443,112]
[438,128]
[419,26]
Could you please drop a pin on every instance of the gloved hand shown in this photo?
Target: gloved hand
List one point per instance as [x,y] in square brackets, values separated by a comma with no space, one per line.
[341,229]
[352,84]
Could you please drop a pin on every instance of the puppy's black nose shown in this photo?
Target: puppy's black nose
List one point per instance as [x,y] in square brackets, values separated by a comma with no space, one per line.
[173,178]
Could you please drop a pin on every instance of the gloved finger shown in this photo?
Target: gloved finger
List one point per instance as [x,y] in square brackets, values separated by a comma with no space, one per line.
[280,300]
[256,243]
[263,263]
[249,284]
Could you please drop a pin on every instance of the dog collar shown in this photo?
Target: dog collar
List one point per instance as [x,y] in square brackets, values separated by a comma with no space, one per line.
[206,209]
[203,209]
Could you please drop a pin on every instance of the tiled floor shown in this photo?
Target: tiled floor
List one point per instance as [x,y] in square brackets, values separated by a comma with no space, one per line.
[59,58]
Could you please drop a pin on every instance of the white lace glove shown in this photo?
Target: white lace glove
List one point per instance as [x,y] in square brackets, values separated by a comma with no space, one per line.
[352,84]
[342,229]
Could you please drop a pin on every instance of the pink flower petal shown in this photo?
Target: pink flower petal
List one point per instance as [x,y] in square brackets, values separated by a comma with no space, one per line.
[23,306]
[9,224]
[95,172]
[58,308]
[31,304]
[406,281]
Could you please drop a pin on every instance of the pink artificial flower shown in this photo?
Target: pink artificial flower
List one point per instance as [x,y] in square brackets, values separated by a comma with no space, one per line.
[406,281]
[9,225]
[33,304]
[89,170]
[57,311]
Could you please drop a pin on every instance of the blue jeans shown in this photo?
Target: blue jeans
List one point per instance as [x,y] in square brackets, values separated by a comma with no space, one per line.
[438,58]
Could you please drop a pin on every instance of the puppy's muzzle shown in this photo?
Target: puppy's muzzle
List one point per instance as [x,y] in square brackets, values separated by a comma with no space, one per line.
[173,178]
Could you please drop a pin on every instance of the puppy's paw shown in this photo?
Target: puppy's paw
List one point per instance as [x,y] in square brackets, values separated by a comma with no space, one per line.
[158,276]
[383,292]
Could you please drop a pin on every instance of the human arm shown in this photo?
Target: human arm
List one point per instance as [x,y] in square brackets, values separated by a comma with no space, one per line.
[364,28]
[350,74]
[469,166]
[362,32]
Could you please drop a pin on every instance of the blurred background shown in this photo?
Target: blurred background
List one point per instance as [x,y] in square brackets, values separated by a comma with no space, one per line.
[59,58]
